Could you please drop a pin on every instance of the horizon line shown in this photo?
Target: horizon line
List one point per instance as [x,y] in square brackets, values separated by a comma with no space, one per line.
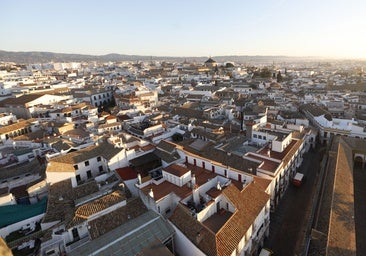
[182,56]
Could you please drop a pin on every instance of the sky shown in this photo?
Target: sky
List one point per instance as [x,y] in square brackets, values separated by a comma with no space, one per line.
[325,28]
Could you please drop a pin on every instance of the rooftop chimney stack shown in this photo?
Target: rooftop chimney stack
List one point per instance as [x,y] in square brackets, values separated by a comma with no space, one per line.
[249,129]
[198,237]
[139,178]
[193,180]
[151,193]
[196,195]
[218,186]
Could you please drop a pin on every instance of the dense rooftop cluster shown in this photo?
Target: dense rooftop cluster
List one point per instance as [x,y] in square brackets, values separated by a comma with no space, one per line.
[189,157]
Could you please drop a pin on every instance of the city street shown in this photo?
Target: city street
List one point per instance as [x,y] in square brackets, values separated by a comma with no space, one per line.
[288,222]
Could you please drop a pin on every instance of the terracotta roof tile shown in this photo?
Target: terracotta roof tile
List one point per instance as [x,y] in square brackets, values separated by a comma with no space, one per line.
[249,202]
[268,165]
[84,211]
[100,204]
[176,170]
[165,188]
[107,222]
[22,100]
[285,155]
[342,219]
[126,173]
[16,126]
[197,233]
[104,149]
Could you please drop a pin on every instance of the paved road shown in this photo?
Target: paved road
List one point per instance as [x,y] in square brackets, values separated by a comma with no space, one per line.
[288,223]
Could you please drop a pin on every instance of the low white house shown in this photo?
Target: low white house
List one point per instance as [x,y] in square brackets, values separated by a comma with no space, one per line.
[84,164]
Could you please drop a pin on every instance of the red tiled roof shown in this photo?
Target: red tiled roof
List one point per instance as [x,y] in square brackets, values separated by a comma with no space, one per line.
[176,170]
[202,175]
[214,192]
[286,154]
[165,188]
[110,117]
[268,165]
[148,147]
[100,204]
[249,202]
[126,173]
[22,100]
[195,231]
[262,183]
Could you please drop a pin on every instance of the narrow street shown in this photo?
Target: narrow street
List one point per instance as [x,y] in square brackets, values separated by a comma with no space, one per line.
[288,222]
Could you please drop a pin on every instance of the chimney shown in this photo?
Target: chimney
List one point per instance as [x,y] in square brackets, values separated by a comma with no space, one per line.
[198,237]
[249,130]
[139,178]
[241,119]
[193,180]
[218,186]
[269,153]
[151,193]
[196,195]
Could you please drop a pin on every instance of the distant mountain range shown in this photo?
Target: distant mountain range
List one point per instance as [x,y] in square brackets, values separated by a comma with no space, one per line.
[44,57]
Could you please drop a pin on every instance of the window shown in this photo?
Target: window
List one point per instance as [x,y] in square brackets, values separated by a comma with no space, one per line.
[88,174]
[76,167]
[75,234]
[78,179]
[51,252]
[99,158]
[101,169]
[254,135]
[260,137]
[86,163]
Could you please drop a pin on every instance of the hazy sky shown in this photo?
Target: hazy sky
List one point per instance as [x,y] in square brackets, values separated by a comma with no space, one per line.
[329,28]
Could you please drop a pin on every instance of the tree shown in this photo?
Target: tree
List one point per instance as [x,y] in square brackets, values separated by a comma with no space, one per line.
[229,65]
[279,77]
[265,73]
[177,137]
